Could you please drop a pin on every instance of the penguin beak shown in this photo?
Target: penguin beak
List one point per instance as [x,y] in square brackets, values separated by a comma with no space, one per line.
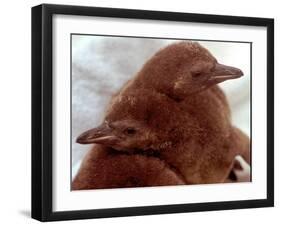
[100,135]
[222,73]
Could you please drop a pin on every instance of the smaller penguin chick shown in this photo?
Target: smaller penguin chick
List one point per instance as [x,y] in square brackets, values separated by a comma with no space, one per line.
[182,69]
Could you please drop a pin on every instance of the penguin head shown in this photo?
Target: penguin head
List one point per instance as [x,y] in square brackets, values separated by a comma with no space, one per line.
[186,68]
[204,75]
[122,135]
[136,121]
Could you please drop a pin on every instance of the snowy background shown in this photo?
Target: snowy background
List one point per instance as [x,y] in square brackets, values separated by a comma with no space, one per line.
[101,65]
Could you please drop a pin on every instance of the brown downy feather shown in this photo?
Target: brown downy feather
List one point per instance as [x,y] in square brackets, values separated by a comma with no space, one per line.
[104,168]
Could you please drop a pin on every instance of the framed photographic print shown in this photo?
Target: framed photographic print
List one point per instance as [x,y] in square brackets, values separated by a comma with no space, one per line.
[145,112]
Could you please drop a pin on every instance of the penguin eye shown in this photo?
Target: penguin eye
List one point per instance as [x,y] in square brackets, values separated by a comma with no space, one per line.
[196,74]
[130,131]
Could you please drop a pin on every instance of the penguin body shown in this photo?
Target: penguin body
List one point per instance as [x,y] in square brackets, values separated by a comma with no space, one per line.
[104,168]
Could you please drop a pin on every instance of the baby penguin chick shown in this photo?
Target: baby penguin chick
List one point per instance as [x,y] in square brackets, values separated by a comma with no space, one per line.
[182,69]
[174,109]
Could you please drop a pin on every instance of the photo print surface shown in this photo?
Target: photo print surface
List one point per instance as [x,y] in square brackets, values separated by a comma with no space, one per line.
[158,112]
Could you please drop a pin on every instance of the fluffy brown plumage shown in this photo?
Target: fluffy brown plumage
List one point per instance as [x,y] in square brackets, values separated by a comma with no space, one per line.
[173,110]
[104,168]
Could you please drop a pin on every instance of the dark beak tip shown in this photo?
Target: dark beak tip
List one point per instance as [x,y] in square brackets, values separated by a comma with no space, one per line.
[241,73]
[79,140]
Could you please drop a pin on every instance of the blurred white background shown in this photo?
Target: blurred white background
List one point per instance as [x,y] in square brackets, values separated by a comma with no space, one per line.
[102,64]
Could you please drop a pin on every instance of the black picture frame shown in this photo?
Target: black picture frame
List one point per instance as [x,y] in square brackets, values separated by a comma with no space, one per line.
[42,111]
